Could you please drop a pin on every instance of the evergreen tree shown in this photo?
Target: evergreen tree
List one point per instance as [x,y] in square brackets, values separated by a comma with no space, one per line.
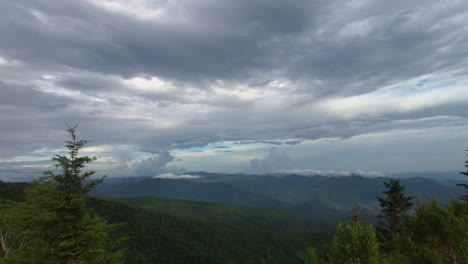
[464,184]
[437,234]
[309,256]
[395,207]
[74,182]
[12,238]
[354,243]
[54,221]
[356,216]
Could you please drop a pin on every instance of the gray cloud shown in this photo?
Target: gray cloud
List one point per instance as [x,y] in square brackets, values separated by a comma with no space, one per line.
[275,161]
[23,171]
[153,165]
[345,46]
[155,76]
[66,33]
[311,172]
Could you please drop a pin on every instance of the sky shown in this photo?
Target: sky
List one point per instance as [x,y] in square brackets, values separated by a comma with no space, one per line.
[166,87]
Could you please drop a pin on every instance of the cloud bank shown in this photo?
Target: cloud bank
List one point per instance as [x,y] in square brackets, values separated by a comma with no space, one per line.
[142,77]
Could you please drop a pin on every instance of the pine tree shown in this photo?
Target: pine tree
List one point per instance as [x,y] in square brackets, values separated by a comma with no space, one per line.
[395,207]
[54,220]
[464,184]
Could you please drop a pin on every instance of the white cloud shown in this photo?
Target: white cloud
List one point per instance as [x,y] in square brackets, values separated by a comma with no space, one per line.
[275,161]
[400,98]
[138,9]
[152,84]
[9,63]
[176,176]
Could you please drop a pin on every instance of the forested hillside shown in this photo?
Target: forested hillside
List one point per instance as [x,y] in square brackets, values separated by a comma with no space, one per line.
[165,238]
[311,198]
[155,235]
[181,231]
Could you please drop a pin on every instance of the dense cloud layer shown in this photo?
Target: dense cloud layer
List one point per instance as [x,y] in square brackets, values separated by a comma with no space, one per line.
[144,76]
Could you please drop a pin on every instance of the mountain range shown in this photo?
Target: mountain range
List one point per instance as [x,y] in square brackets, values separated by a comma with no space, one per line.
[320,198]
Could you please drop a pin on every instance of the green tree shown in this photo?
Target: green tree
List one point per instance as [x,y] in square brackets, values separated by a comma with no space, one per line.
[54,221]
[464,184]
[354,243]
[356,216]
[395,207]
[12,238]
[437,234]
[267,259]
[309,256]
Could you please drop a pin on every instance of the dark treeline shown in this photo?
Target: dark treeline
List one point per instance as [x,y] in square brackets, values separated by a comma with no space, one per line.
[430,234]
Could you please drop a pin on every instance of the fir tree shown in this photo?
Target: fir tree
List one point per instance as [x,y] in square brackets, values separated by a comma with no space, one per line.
[464,184]
[54,222]
[395,207]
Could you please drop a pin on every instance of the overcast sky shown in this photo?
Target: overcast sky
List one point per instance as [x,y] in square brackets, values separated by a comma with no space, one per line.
[235,86]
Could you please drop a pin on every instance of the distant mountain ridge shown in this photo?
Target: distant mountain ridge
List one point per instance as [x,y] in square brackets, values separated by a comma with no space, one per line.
[438,176]
[307,197]
[301,211]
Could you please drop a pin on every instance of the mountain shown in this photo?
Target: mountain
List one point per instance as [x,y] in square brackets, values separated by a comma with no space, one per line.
[184,189]
[164,238]
[205,220]
[218,192]
[313,198]
[190,236]
[258,218]
[437,176]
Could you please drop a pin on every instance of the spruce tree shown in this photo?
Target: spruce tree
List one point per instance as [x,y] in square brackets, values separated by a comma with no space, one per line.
[395,207]
[464,184]
[72,180]
[55,222]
